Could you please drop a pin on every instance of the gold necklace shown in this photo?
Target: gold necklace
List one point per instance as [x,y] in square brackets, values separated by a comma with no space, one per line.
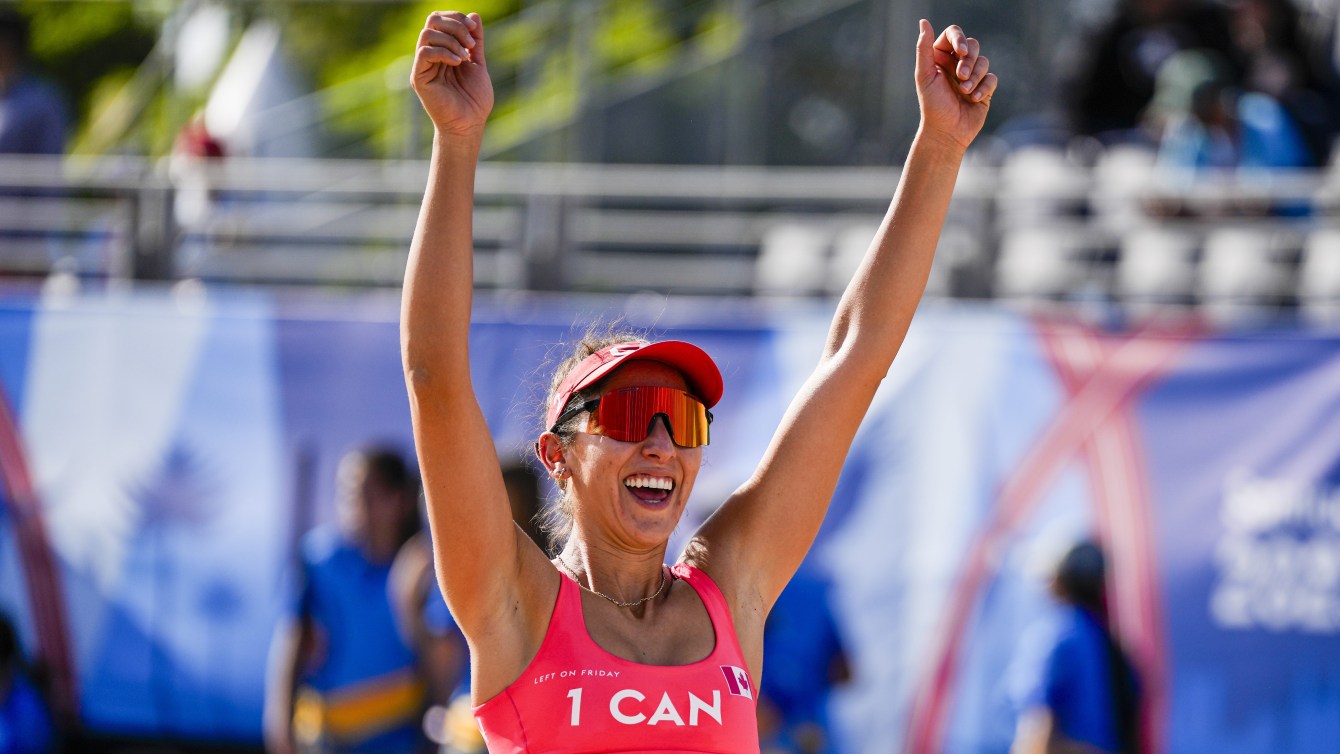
[618,603]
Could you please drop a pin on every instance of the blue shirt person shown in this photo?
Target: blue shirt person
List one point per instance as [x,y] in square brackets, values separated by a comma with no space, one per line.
[342,678]
[1079,692]
[33,118]
[803,657]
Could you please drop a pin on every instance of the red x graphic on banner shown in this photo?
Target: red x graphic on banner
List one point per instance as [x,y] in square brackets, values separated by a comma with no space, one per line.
[45,597]
[1103,375]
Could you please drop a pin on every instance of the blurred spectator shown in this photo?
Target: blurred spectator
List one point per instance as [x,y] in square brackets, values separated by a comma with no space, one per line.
[195,140]
[803,658]
[1114,68]
[1207,124]
[1291,67]
[341,679]
[33,119]
[194,153]
[427,626]
[1077,692]
[25,719]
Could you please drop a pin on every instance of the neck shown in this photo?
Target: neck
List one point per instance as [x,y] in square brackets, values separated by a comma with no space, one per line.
[378,550]
[623,576]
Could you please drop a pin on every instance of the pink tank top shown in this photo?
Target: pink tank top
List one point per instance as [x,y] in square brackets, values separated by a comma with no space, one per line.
[576,697]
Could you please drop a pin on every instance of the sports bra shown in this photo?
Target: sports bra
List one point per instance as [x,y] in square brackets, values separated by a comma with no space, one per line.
[576,697]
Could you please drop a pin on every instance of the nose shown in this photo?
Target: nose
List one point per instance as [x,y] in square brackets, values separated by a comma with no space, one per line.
[658,443]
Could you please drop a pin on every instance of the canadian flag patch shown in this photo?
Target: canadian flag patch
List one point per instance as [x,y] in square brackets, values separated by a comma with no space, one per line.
[737,681]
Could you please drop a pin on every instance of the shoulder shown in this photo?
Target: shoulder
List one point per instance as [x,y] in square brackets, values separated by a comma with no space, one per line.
[1079,640]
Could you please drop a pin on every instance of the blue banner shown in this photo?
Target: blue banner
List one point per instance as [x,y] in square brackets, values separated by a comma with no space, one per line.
[177,446]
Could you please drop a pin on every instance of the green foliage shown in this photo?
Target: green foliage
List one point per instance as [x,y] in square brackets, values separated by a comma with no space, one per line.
[359,56]
[547,58]
[637,36]
[83,47]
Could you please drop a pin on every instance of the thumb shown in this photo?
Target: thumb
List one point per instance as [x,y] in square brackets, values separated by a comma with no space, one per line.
[477,52]
[925,68]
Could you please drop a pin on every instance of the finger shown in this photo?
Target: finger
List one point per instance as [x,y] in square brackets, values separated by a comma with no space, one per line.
[477,30]
[979,71]
[945,60]
[926,54]
[968,52]
[434,38]
[456,24]
[958,46]
[985,89]
[426,57]
[968,47]
[950,40]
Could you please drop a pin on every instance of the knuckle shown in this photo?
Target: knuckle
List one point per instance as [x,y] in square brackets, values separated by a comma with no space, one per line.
[445,19]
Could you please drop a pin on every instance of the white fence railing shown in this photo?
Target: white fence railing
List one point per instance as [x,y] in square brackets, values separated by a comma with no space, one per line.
[1034,227]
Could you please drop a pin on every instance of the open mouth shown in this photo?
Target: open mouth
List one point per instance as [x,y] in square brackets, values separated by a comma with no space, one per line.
[650,489]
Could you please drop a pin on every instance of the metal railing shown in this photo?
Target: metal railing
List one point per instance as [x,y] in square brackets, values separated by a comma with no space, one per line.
[694,230]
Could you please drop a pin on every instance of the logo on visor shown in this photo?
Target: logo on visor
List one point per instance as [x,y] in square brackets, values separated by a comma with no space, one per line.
[737,681]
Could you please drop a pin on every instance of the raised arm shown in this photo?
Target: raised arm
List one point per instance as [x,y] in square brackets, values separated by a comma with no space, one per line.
[475,543]
[758,537]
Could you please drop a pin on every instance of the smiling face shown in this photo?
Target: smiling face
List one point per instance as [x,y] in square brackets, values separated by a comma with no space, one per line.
[631,493]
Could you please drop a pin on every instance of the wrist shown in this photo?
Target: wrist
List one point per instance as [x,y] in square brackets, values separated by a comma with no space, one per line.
[941,144]
[456,143]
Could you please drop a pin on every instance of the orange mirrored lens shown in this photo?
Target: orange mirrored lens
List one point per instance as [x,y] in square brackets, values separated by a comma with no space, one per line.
[627,414]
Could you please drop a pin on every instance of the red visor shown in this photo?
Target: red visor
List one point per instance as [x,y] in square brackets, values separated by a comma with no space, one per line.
[627,415]
[700,372]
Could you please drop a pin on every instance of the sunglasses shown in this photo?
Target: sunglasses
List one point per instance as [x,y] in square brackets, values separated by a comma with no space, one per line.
[626,415]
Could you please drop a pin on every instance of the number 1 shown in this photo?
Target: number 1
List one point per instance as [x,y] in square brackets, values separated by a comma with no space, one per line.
[576,696]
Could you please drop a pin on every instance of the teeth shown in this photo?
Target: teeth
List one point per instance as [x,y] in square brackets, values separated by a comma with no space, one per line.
[650,482]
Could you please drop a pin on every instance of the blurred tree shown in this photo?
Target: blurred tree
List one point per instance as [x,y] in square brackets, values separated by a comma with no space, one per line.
[358,55]
[90,49]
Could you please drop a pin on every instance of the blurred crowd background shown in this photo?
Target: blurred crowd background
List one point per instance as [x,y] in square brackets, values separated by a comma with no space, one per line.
[210,540]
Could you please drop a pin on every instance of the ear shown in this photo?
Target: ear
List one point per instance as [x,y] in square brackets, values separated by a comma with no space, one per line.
[549,449]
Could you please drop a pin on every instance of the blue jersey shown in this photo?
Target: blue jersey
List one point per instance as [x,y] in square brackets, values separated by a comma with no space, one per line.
[364,673]
[1074,681]
[440,624]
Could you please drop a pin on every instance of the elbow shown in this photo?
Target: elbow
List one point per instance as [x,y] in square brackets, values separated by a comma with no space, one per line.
[864,363]
[417,374]
[862,341]
[426,361]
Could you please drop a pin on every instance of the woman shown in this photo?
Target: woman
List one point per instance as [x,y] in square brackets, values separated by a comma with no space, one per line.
[1083,696]
[603,647]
